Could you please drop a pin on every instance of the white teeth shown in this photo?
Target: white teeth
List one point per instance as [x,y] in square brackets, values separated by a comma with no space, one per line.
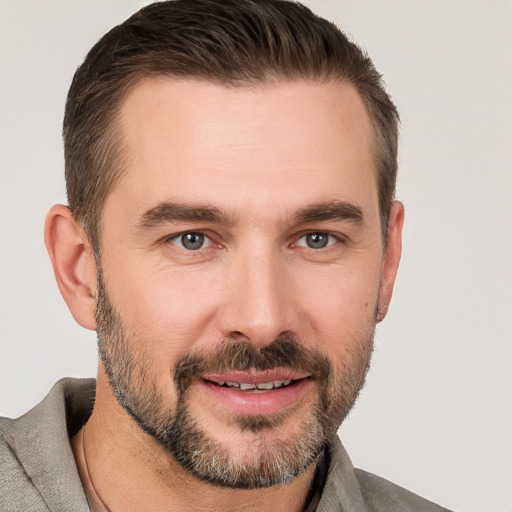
[281,383]
[265,385]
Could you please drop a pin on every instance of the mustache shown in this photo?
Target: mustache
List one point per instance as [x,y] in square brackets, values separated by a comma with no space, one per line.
[233,355]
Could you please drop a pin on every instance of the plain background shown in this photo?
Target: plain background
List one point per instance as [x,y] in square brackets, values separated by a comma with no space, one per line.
[436,414]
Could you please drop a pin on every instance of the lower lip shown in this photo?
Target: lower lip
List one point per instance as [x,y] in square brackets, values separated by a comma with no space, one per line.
[250,403]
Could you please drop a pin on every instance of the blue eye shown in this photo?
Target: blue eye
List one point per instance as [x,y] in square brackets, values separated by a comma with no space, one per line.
[316,240]
[191,241]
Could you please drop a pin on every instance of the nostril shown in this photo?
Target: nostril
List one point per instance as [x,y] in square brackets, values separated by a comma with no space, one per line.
[239,336]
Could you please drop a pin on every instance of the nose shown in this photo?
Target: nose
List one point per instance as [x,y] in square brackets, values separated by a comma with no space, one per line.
[259,301]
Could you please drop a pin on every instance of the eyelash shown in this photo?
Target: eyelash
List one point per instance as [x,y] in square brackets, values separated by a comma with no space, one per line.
[332,239]
[174,238]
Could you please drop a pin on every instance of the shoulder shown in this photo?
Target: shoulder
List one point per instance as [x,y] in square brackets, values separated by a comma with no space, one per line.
[382,495]
[38,467]
[17,491]
[347,488]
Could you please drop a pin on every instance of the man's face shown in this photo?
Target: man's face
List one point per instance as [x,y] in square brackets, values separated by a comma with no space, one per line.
[241,262]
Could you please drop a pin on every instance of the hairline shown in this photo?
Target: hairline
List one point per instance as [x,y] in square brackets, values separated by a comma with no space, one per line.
[113,148]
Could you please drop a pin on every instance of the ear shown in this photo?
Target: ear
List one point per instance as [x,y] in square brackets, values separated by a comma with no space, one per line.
[391,258]
[73,263]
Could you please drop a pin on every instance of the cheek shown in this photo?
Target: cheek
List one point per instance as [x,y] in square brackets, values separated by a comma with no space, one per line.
[169,307]
[341,305]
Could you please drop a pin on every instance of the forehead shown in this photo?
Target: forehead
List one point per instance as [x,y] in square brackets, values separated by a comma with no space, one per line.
[203,142]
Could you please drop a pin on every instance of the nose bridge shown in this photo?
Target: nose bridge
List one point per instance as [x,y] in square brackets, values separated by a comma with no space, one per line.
[257,304]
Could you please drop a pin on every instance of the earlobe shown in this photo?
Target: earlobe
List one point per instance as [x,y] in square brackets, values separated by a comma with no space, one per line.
[391,259]
[73,263]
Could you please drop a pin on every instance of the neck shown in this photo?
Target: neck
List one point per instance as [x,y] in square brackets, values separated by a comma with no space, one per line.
[122,468]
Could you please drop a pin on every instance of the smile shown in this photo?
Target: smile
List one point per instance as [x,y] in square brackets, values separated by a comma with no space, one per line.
[258,393]
[261,387]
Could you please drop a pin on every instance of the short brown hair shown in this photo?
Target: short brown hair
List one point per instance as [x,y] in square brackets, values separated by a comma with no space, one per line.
[232,42]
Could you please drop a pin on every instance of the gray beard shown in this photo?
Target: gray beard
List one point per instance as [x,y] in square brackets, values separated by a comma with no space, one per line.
[272,462]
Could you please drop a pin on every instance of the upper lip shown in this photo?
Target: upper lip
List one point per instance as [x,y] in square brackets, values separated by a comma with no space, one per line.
[257,377]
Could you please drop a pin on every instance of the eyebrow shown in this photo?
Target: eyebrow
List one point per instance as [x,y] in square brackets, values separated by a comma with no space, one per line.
[333,210]
[172,212]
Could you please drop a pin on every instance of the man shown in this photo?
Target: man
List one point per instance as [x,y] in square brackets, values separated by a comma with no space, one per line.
[233,238]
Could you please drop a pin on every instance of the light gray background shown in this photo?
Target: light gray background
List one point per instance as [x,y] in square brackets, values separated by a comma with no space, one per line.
[436,415]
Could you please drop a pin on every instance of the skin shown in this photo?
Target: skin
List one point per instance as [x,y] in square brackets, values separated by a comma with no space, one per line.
[258,155]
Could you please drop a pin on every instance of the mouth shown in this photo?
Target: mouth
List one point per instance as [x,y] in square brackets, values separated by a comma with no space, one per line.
[258,393]
[259,387]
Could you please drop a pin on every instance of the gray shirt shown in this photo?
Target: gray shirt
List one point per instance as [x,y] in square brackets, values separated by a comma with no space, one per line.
[38,470]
